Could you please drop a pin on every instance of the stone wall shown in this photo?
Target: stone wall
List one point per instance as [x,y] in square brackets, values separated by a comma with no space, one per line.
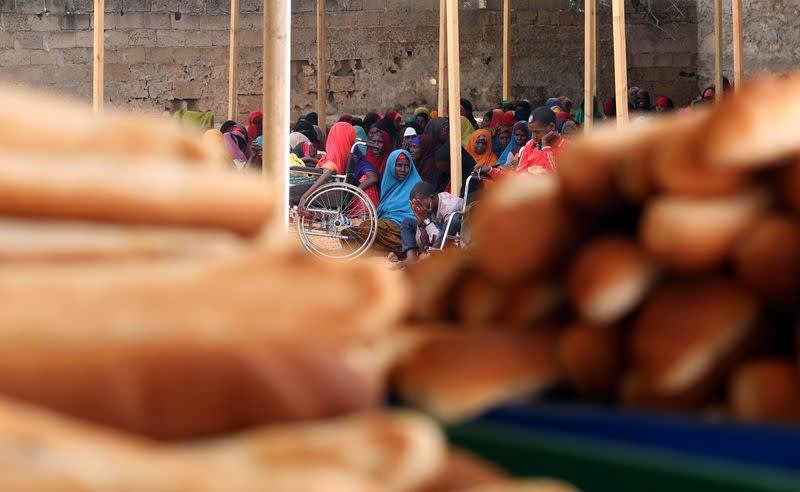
[771,32]
[382,53]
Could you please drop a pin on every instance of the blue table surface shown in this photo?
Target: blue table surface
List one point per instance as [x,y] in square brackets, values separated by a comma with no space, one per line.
[772,446]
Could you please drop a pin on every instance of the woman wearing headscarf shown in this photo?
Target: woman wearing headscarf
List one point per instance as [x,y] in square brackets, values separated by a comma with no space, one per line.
[508,119]
[502,139]
[421,118]
[361,135]
[522,111]
[296,138]
[306,152]
[345,118]
[439,130]
[480,148]
[565,103]
[466,130]
[561,118]
[320,138]
[312,118]
[520,136]
[442,182]
[389,125]
[340,141]
[370,119]
[506,106]
[394,206]
[664,104]
[237,143]
[379,152]
[468,110]
[255,122]
[423,151]
[227,125]
[307,129]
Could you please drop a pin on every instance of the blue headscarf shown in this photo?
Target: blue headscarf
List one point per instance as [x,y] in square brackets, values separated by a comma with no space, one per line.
[394,203]
[504,156]
[361,135]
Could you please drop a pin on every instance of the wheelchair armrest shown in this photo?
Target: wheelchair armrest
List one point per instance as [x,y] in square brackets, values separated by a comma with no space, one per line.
[307,170]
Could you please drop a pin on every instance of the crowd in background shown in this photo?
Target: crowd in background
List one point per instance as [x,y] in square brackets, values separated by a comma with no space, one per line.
[404,165]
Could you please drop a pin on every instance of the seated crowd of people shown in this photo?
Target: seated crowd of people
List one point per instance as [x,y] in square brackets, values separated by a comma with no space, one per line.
[403,165]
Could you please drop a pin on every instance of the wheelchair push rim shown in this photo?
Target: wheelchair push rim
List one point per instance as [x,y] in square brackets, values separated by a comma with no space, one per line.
[339,222]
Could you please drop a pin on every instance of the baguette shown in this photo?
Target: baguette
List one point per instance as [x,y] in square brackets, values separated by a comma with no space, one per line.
[741,135]
[156,193]
[43,452]
[463,470]
[608,278]
[697,235]
[23,241]
[183,390]
[685,341]
[768,259]
[248,297]
[530,485]
[478,300]
[591,357]
[525,304]
[73,130]
[400,450]
[457,376]
[433,282]
[766,390]
[514,206]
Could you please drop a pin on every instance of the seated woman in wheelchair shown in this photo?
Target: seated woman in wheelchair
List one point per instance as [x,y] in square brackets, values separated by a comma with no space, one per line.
[427,228]
[396,185]
[340,140]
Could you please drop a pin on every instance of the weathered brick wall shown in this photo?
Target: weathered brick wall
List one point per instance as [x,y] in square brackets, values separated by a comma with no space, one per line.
[771,32]
[381,52]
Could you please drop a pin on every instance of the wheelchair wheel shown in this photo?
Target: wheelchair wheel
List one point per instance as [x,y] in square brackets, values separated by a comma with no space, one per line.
[339,222]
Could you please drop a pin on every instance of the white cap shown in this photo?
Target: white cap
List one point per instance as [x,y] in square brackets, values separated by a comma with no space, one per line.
[410,132]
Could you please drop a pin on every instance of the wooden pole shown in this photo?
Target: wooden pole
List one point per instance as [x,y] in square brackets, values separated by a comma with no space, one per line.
[442,100]
[454,89]
[738,46]
[718,49]
[589,68]
[596,44]
[620,61]
[506,50]
[322,75]
[233,60]
[276,89]
[98,58]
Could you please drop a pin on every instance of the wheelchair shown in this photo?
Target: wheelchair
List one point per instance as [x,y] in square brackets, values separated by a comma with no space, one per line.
[339,221]
[458,239]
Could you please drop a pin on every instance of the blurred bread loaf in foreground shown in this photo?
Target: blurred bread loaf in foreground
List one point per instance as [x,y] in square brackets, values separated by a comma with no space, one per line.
[676,244]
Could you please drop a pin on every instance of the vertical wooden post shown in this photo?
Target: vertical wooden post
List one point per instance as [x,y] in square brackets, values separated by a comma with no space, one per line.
[620,61]
[718,49]
[98,58]
[233,61]
[596,44]
[588,63]
[506,50]
[738,47]
[322,74]
[442,100]
[276,90]
[454,89]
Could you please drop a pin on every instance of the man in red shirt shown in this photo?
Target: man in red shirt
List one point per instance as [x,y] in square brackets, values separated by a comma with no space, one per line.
[539,154]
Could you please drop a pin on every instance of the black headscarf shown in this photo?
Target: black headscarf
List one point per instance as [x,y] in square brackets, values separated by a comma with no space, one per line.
[370,119]
[467,104]
[312,118]
[356,121]
[434,129]
[306,128]
[226,126]
[388,126]
[443,178]
[522,110]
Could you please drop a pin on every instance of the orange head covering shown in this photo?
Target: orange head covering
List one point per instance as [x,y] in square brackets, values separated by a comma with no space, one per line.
[340,140]
[434,114]
[487,158]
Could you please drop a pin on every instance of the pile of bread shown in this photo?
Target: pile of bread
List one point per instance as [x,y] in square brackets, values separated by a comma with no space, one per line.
[156,336]
[659,268]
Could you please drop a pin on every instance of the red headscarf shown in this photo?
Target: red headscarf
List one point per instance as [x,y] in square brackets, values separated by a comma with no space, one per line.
[392,116]
[345,118]
[508,119]
[497,118]
[340,140]
[380,161]
[252,129]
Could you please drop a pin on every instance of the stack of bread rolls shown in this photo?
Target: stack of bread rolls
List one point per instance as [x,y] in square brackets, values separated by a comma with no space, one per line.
[660,268]
[156,334]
